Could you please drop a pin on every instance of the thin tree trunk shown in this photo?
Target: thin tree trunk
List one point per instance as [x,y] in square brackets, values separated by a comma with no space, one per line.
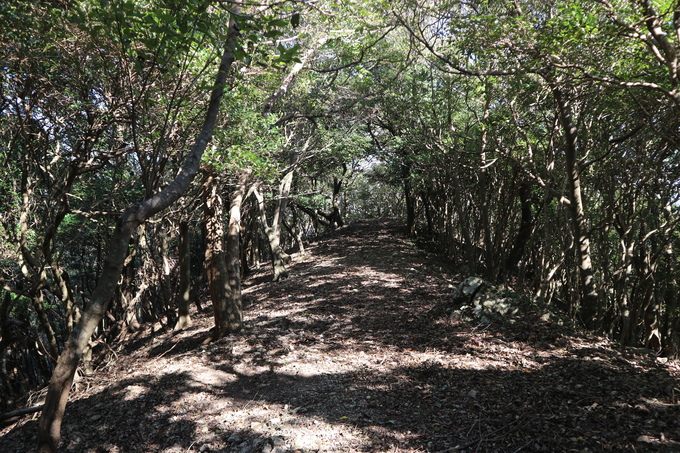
[273,232]
[48,330]
[589,295]
[427,206]
[61,278]
[166,271]
[524,232]
[215,256]
[5,336]
[184,293]
[295,230]
[254,239]
[490,265]
[623,275]
[463,222]
[128,300]
[336,216]
[672,324]
[410,198]
[49,434]
[234,309]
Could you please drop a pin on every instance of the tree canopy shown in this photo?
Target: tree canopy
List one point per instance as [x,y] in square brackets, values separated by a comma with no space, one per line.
[532,143]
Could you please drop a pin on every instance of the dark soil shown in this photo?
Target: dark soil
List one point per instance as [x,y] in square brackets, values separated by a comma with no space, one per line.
[355,352]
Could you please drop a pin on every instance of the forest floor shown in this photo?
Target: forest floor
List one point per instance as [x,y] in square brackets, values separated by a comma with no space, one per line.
[355,352]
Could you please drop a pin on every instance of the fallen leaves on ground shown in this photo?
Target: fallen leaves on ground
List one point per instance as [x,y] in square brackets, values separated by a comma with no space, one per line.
[355,352]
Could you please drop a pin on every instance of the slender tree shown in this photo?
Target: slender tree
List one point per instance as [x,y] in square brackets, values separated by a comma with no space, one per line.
[135,215]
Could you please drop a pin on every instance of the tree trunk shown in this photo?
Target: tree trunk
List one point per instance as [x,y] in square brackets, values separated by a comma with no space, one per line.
[410,199]
[295,230]
[49,434]
[461,208]
[48,330]
[223,264]
[336,216]
[314,215]
[427,206]
[524,232]
[672,324]
[484,192]
[5,307]
[234,309]
[215,256]
[165,272]
[589,295]
[184,293]
[252,241]
[279,257]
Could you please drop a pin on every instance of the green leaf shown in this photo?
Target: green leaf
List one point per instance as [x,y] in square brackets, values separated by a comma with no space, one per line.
[278,23]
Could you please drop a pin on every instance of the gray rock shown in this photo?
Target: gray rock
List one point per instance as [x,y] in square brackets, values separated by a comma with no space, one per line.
[481,301]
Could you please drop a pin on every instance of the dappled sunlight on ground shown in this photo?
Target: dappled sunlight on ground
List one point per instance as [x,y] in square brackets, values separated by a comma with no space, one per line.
[355,352]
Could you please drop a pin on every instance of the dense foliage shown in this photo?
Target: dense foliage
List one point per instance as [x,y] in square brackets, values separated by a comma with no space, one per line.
[534,143]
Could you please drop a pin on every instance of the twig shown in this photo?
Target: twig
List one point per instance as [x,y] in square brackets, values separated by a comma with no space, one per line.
[20,412]
[160,356]
[492,433]
[523,446]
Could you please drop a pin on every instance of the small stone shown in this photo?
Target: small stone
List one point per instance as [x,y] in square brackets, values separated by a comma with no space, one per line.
[649,440]
[473,393]
[277,441]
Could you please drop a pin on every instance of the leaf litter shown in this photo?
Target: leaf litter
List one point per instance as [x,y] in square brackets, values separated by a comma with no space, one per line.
[357,352]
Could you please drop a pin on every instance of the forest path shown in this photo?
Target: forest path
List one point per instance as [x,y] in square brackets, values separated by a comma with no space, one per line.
[354,352]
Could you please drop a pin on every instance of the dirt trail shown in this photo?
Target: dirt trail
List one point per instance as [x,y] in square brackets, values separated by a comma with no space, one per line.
[355,352]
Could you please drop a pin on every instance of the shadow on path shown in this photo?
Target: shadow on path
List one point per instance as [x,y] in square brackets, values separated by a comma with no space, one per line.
[354,352]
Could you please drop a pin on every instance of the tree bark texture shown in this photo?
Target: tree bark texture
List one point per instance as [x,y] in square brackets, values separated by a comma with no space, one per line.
[223,264]
[234,311]
[184,293]
[49,434]
[589,295]
[524,232]
[215,255]
[273,232]
[336,216]
[490,264]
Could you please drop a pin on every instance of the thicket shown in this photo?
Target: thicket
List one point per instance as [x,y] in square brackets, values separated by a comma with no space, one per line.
[534,143]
